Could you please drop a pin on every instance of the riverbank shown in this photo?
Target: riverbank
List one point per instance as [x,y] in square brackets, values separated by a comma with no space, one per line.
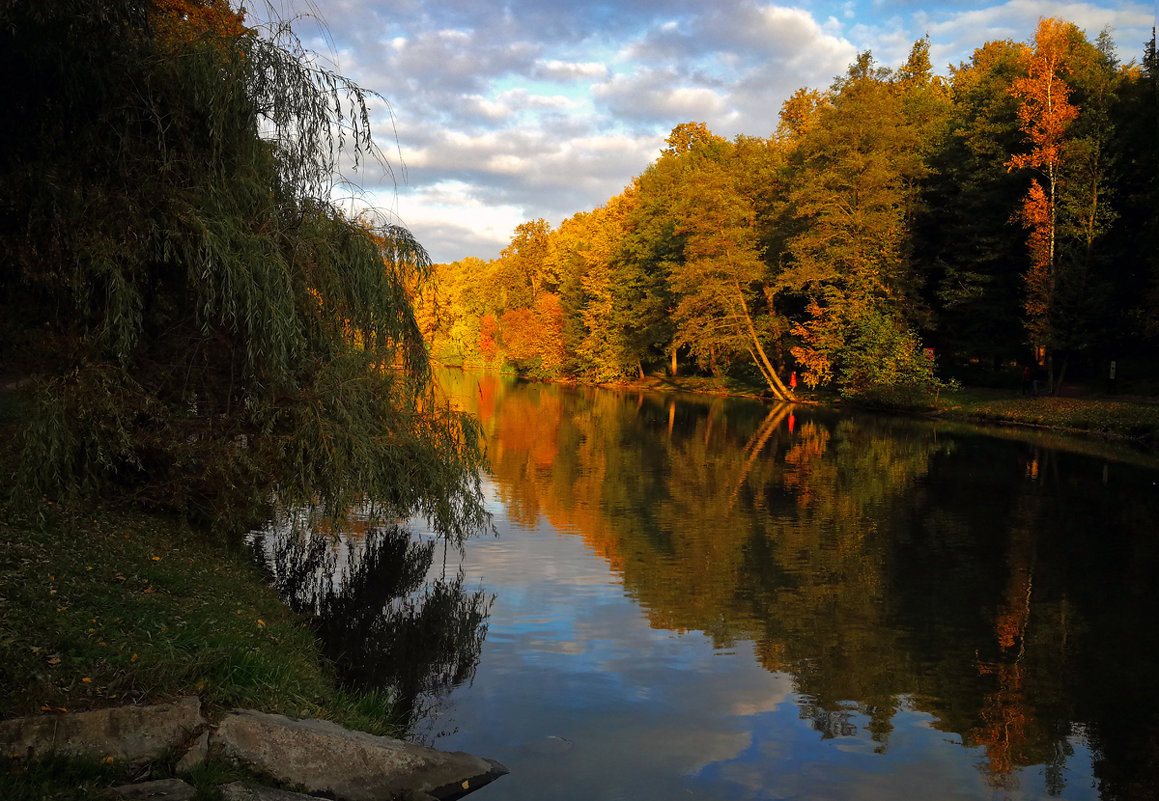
[117,607]
[1132,419]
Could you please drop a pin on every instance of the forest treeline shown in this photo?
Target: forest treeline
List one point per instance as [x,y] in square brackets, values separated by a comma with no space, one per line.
[897,228]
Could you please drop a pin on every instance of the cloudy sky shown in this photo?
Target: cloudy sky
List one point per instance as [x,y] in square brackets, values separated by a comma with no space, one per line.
[509,111]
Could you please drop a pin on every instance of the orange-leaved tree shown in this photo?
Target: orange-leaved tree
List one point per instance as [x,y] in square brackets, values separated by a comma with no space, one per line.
[488,334]
[180,23]
[533,337]
[1045,112]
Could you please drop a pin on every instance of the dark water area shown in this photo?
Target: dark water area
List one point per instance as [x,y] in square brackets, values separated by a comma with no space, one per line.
[717,599]
[383,616]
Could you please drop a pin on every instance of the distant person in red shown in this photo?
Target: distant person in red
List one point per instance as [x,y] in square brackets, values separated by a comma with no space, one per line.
[1026,380]
[793,380]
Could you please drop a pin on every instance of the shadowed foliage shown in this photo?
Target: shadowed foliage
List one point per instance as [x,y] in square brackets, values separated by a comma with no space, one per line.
[204,329]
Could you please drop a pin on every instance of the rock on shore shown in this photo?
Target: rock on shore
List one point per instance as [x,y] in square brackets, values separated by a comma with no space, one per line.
[133,734]
[313,756]
[321,757]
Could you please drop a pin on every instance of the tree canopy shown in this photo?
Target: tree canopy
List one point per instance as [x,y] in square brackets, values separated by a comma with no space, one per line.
[897,226]
[201,327]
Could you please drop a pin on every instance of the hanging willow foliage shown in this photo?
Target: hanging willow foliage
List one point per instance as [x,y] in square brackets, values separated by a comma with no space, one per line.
[204,327]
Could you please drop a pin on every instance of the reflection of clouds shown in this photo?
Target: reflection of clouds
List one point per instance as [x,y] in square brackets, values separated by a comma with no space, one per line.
[651,678]
[780,692]
[654,715]
[618,689]
[699,751]
[555,646]
[782,765]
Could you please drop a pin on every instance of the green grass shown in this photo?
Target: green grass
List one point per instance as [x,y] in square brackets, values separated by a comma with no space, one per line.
[123,607]
[1131,418]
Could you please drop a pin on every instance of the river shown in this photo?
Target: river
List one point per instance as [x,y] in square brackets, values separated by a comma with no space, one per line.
[705,598]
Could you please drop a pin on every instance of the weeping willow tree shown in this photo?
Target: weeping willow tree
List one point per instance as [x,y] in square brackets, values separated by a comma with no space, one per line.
[198,325]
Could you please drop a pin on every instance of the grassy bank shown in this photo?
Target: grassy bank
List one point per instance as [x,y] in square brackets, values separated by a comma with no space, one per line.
[1135,419]
[1125,418]
[114,608]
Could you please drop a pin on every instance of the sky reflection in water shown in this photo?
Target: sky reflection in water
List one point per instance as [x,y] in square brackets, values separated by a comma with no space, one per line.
[691,603]
[654,714]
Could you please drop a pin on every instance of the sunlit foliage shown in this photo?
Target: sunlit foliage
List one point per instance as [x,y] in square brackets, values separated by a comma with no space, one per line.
[989,217]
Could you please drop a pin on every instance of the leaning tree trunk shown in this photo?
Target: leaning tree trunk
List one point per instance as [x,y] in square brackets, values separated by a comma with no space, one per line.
[763,364]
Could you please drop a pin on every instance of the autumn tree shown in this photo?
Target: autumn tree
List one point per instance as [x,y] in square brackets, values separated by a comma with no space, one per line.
[976,287]
[1045,113]
[179,24]
[603,348]
[525,267]
[649,250]
[453,305]
[721,283]
[881,217]
[488,338]
[799,114]
[533,338]
[855,189]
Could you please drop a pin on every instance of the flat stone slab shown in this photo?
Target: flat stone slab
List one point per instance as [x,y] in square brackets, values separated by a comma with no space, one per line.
[127,734]
[322,757]
[160,790]
[238,791]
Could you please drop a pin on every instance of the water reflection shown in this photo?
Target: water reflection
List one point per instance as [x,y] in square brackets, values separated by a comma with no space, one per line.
[996,591]
[380,615]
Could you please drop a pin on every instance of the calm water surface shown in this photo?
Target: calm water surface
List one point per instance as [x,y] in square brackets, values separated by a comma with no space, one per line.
[710,599]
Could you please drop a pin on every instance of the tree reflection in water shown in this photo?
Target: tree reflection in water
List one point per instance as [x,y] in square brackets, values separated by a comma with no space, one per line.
[1000,586]
[378,613]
